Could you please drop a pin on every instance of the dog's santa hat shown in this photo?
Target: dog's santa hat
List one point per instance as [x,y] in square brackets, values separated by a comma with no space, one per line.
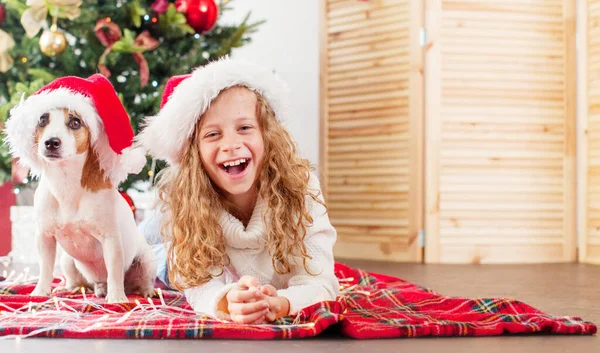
[187,97]
[96,101]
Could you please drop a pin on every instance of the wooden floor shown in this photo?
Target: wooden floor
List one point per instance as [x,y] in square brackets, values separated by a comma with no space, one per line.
[572,290]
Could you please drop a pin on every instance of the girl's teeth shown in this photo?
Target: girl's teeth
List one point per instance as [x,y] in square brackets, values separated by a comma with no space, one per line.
[238,162]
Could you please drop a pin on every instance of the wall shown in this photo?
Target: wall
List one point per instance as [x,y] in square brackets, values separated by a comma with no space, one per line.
[288,43]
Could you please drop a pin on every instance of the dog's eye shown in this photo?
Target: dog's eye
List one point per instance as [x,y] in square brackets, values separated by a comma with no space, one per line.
[44,120]
[74,123]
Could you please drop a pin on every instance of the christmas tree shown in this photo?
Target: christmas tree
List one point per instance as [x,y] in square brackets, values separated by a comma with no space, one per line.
[138,44]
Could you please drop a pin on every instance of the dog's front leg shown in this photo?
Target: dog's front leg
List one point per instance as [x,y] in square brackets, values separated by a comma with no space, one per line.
[113,258]
[46,246]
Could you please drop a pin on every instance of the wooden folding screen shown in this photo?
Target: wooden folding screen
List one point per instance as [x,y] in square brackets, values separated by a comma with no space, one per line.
[500,131]
[589,131]
[371,97]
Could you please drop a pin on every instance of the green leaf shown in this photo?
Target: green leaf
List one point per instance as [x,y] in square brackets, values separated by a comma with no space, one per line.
[127,43]
[173,21]
[41,74]
[136,12]
[15,5]
[20,87]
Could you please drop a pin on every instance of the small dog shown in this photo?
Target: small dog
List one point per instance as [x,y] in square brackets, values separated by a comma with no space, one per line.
[77,204]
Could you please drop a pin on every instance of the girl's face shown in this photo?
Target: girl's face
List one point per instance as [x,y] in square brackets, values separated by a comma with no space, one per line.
[231,143]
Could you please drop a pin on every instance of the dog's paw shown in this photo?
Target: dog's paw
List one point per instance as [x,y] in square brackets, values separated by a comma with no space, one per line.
[61,289]
[100,289]
[38,292]
[72,286]
[149,292]
[112,298]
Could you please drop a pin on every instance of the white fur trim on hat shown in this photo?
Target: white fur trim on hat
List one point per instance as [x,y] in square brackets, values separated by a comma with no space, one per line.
[21,126]
[165,134]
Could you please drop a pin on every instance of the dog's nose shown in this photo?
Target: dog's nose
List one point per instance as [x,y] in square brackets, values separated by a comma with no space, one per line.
[52,144]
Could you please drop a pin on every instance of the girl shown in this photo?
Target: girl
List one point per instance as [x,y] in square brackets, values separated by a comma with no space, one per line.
[248,234]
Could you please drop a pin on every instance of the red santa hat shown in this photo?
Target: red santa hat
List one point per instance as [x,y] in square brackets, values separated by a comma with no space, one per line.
[186,97]
[96,101]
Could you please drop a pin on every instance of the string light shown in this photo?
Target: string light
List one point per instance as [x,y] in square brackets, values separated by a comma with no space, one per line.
[151,303]
[162,300]
[152,172]
[61,312]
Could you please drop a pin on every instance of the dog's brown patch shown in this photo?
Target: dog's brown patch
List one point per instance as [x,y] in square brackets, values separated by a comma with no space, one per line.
[93,177]
[82,135]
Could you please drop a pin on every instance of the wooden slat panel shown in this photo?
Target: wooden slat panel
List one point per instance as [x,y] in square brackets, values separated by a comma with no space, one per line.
[500,125]
[589,132]
[372,156]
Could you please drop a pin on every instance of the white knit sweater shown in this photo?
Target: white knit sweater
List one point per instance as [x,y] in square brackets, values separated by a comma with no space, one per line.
[249,255]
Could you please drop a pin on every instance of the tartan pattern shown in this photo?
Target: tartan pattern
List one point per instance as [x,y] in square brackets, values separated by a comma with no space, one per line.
[370,305]
[381,306]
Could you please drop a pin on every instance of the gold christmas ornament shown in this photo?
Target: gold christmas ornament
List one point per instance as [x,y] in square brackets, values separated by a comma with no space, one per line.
[52,42]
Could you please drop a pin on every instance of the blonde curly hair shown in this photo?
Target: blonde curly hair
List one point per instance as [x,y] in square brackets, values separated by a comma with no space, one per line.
[191,226]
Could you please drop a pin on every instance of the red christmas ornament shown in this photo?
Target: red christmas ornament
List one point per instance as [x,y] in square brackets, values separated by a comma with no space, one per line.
[129,200]
[2,14]
[201,15]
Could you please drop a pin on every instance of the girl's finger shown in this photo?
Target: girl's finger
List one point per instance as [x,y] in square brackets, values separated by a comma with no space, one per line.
[247,308]
[249,281]
[271,316]
[247,319]
[268,290]
[241,296]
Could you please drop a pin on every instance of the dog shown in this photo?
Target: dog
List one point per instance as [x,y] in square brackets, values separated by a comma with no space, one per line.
[77,204]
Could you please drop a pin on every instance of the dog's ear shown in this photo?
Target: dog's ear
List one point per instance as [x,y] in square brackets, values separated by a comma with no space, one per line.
[93,177]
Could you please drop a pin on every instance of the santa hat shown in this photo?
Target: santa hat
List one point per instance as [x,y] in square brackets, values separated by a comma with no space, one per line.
[187,97]
[96,101]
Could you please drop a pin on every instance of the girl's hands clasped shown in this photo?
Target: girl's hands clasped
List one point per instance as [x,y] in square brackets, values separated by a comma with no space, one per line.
[249,302]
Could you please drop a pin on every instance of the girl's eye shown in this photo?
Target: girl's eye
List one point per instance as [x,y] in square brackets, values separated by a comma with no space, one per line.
[211,134]
[246,127]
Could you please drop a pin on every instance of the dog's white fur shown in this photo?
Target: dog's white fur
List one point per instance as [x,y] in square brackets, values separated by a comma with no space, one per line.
[96,228]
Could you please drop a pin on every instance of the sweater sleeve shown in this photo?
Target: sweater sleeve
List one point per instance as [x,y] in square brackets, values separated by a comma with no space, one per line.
[205,298]
[321,284]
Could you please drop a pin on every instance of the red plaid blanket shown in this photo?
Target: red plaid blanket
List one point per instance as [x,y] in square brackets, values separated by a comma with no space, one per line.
[369,306]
